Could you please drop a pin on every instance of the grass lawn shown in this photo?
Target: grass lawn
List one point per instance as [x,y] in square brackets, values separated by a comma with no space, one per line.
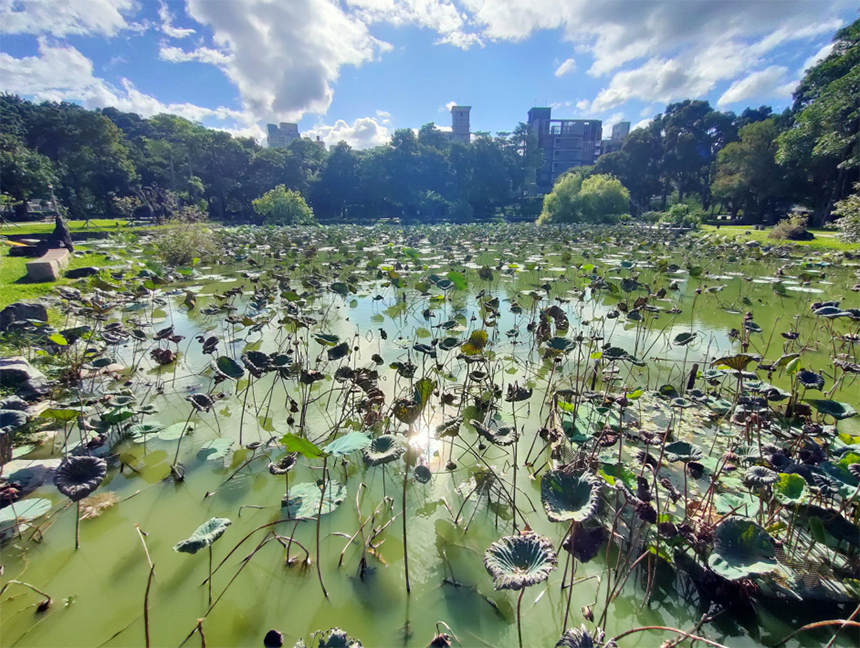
[824,239]
[13,271]
[96,225]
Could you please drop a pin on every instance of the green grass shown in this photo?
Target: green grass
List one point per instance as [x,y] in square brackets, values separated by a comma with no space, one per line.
[824,239]
[13,272]
[96,225]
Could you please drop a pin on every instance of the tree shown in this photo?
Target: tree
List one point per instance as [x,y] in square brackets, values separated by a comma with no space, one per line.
[24,174]
[847,212]
[282,206]
[575,198]
[823,140]
[748,176]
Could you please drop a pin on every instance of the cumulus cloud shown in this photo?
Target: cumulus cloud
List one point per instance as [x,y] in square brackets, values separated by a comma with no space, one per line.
[769,82]
[449,105]
[64,17]
[167,23]
[284,56]
[565,68]
[364,132]
[441,16]
[62,73]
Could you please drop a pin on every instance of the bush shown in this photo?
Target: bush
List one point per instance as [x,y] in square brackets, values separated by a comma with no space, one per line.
[282,206]
[182,241]
[680,215]
[599,198]
[791,229]
[848,213]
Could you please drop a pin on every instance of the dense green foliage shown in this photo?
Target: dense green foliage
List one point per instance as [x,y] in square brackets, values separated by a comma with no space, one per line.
[755,165]
[282,206]
[848,213]
[598,198]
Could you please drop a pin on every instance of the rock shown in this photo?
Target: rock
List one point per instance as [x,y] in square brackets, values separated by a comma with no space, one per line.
[29,383]
[13,403]
[80,273]
[22,311]
[47,267]
[31,473]
[12,419]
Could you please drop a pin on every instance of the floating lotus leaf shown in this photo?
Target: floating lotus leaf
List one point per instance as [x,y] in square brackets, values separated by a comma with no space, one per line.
[283,465]
[78,477]
[570,496]
[449,343]
[347,444]
[229,367]
[24,510]
[789,489]
[682,451]
[683,339]
[760,476]
[304,501]
[520,561]
[742,549]
[215,449]
[837,410]
[201,402]
[205,535]
[449,428]
[582,638]
[495,432]
[383,449]
[810,379]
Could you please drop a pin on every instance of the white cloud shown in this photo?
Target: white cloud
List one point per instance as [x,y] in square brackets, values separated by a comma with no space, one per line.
[449,105]
[565,68]
[763,83]
[167,23]
[610,122]
[284,56]
[62,73]
[441,16]
[201,54]
[820,55]
[364,132]
[583,104]
[642,124]
[64,17]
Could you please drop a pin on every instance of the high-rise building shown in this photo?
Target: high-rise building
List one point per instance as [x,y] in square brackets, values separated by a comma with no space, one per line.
[565,144]
[281,136]
[460,124]
[620,131]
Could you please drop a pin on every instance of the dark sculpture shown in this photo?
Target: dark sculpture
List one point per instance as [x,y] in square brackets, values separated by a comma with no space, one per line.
[61,237]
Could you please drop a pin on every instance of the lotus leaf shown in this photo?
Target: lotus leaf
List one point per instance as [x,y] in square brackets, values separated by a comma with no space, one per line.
[229,367]
[78,476]
[570,496]
[205,535]
[347,444]
[515,562]
[383,449]
[742,549]
[304,501]
[582,638]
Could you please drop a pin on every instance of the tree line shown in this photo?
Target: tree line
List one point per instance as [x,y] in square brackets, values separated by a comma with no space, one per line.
[109,163]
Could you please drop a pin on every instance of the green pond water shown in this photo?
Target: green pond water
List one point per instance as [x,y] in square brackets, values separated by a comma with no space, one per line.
[98,591]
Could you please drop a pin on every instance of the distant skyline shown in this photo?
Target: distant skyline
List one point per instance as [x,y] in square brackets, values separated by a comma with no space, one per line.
[356,70]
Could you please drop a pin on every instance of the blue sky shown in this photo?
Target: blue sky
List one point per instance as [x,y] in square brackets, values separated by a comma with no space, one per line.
[355,70]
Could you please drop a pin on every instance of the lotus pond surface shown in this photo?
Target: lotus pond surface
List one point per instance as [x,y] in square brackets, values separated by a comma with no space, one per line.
[670,420]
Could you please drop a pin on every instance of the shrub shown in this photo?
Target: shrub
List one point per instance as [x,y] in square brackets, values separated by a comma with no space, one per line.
[791,229]
[182,241]
[282,206]
[848,213]
[680,216]
[599,198]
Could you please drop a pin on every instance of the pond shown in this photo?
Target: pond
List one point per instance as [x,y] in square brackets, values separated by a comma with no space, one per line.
[506,361]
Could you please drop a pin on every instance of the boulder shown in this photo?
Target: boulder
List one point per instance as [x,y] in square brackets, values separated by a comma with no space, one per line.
[29,383]
[22,311]
[31,473]
[13,403]
[80,273]
[47,267]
